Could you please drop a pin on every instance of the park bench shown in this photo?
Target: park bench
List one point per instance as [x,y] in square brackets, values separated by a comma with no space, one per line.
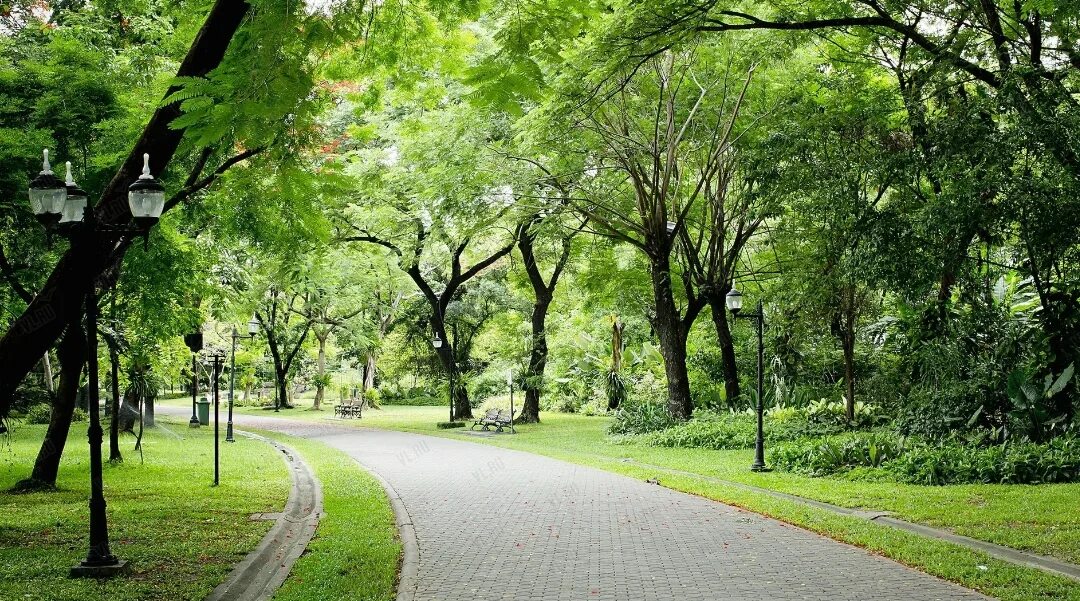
[350,408]
[497,418]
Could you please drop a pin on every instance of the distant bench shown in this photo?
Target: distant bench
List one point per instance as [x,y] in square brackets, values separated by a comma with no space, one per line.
[350,408]
[497,418]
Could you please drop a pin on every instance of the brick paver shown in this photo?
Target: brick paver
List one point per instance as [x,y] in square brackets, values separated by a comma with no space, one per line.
[493,523]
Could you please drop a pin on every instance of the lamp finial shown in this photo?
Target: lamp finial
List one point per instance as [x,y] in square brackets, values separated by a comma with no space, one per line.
[146,167]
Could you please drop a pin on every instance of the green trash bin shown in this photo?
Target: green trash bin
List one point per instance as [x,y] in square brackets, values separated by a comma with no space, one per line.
[204,411]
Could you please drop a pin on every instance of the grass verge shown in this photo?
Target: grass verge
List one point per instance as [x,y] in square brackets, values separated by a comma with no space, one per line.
[179,534]
[355,552]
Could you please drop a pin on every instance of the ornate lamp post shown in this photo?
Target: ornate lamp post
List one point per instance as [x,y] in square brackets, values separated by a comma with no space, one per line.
[217,361]
[253,329]
[734,304]
[62,206]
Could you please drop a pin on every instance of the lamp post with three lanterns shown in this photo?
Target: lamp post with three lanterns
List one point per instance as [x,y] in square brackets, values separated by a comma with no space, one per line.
[63,207]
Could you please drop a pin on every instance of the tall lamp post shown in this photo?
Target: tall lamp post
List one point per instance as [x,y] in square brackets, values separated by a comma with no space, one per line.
[438,344]
[217,360]
[734,304]
[253,328]
[63,206]
[194,343]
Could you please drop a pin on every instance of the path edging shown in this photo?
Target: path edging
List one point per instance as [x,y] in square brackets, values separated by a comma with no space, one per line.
[264,569]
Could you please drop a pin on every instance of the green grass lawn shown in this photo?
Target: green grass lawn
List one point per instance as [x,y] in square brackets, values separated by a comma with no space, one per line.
[355,552]
[180,534]
[1043,519]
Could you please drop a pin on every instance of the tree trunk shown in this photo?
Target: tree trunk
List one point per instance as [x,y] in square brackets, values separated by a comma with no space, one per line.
[47,374]
[669,329]
[446,354]
[60,300]
[847,341]
[148,412]
[72,357]
[534,377]
[727,348]
[114,414]
[320,388]
[369,373]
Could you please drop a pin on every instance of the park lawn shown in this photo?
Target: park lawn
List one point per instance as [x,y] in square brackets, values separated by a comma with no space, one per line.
[356,550]
[180,535]
[1043,518]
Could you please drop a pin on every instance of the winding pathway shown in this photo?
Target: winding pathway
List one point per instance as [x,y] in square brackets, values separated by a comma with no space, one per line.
[492,523]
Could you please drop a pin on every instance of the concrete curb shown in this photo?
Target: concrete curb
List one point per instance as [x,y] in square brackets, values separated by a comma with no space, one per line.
[408,575]
[258,576]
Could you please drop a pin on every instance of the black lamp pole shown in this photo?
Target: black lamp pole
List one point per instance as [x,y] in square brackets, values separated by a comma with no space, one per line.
[99,559]
[194,343]
[62,206]
[218,359]
[232,387]
[734,304]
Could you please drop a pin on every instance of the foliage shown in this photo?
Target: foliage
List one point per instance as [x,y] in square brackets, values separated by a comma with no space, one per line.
[1011,463]
[837,454]
[708,431]
[38,414]
[640,417]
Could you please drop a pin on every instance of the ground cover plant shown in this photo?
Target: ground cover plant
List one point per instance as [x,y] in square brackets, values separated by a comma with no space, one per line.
[180,534]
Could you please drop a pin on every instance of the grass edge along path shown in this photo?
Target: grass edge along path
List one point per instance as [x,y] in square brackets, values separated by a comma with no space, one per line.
[356,551]
[180,534]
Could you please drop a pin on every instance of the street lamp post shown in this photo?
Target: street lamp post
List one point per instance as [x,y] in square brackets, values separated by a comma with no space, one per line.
[194,343]
[217,359]
[253,328]
[734,304]
[437,343]
[62,206]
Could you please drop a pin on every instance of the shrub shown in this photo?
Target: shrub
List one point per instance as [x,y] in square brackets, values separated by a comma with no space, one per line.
[1011,463]
[641,418]
[838,454]
[38,414]
[708,431]
[79,415]
[371,395]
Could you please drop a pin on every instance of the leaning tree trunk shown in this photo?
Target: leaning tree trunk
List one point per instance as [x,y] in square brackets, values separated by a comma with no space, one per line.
[72,357]
[60,300]
[534,377]
[669,329]
[727,349]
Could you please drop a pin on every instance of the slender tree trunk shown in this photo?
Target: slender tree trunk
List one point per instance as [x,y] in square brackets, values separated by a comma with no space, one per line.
[847,341]
[669,329]
[369,372]
[114,417]
[148,412]
[47,374]
[446,354]
[727,348]
[320,389]
[71,354]
[534,377]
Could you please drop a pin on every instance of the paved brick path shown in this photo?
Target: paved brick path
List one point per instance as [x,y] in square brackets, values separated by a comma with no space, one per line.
[493,524]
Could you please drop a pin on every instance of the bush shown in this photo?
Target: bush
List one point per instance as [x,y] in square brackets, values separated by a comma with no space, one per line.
[912,461]
[838,454]
[372,396]
[38,414]
[708,431]
[414,397]
[641,418]
[79,415]
[1009,463]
